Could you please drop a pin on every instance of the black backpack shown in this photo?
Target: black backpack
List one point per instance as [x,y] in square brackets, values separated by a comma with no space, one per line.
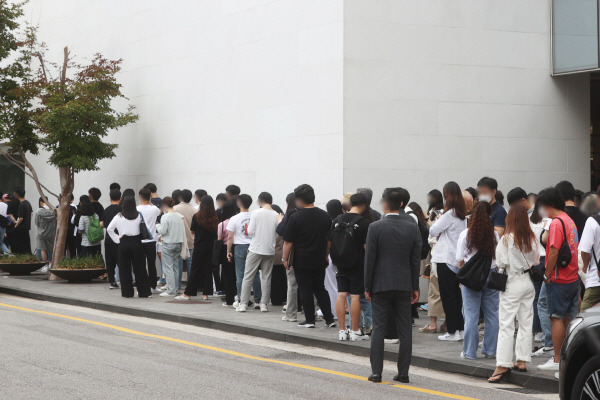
[425,246]
[564,253]
[345,251]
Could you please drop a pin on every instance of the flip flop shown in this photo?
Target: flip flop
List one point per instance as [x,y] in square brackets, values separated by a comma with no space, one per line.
[515,367]
[502,376]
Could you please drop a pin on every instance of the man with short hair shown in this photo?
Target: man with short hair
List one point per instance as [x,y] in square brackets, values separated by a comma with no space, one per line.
[154,197]
[590,251]
[375,215]
[187,210]
[562,282]
[95,195]
[262,226]
[198,194]
[307,231]
[487,188]
[392,262]
[567,191]
[45,222]
[111,249]
[220,200]
[114,186]
[347,248]
[150,214]
[231,191]
[22,241]
[238,244]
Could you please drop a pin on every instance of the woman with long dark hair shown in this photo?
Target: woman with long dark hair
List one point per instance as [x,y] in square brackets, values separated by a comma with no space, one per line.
[130,253]
[228,210]
[447,229]
[435,203]
[86,214]
[480,237]
[204,227]
[516,254]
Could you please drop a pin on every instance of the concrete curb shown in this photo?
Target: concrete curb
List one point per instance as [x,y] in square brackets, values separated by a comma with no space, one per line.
[526,380]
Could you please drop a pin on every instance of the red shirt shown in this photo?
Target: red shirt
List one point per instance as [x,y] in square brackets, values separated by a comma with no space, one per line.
[556,238]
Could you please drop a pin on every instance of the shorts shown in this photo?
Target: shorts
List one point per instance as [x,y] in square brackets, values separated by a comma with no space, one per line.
[561,298]
[590,298]
[350,282]
[45,244]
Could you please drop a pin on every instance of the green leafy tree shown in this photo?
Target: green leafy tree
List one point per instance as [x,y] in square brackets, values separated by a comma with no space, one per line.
[66,110]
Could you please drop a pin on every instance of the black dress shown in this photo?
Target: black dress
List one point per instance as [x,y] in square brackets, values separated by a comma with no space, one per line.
[201,271]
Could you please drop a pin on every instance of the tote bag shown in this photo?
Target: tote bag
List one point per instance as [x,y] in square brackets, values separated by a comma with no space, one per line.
[475,272]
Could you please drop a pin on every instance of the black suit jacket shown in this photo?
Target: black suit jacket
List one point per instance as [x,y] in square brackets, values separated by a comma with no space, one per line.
[393,254]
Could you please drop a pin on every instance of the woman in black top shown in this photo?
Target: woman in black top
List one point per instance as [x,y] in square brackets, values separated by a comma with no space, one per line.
[204,226]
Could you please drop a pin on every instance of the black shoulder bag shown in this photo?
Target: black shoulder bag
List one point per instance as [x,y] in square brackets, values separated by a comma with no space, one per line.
[144,231]
[564,253]
[475,272]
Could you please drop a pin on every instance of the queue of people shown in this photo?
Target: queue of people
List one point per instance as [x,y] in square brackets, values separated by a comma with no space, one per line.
[535,260]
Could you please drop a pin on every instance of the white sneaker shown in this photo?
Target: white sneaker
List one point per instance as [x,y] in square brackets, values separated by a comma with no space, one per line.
[181,297]
[163,288]
[242,308]
[543,351]
[285,318]
[154,291]
[264,308]
[165,294]
[462,334]
[451,337]
[343,335]
[358,335]
[538,337]
[45,268]
[391,341]
[236,304]
[557,375]
[550,365]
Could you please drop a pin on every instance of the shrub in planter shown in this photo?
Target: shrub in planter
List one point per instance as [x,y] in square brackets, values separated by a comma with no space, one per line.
[20,264]
[82,269]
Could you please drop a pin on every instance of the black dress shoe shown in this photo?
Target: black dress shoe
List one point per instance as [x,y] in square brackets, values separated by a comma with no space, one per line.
[401,378]
[375,378]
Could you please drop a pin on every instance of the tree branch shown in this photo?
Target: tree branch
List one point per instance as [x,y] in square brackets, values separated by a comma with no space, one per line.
[63,74]
[39,56]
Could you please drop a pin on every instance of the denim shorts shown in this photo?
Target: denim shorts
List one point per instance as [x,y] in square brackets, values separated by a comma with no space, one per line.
[561,298]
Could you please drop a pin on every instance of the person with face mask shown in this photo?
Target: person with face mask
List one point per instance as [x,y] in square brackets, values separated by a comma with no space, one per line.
[487,188]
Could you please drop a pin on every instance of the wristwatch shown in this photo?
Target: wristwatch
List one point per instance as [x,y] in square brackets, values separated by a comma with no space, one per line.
[546,278]
[284,260]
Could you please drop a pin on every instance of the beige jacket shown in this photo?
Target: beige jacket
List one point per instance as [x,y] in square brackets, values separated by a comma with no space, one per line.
[188,211]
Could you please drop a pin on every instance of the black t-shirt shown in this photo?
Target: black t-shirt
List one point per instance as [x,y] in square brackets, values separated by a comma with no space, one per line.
[308,229]
[13,207]
[578,217]
[360,235]
[202,237]
[24,212]
[498,215]
[98,209]
[156,201]
[109,213]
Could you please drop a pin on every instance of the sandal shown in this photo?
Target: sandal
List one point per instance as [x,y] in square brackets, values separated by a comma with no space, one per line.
[515,367]
[427,329]
[502,375]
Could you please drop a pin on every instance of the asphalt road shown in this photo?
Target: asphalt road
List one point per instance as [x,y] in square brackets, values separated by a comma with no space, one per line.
[52,351]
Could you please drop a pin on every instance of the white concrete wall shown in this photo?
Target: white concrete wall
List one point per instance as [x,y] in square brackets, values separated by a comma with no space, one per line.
[438,90]
[228,91]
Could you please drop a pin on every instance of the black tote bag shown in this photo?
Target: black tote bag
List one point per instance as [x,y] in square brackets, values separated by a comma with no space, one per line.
[217,249]
[498,281]
[475,272]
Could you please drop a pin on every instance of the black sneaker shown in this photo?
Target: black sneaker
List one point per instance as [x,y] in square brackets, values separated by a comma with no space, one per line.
[114,285]
[331,324]
[306,324]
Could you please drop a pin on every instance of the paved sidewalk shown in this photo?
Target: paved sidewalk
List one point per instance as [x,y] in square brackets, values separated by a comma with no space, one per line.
[428,352]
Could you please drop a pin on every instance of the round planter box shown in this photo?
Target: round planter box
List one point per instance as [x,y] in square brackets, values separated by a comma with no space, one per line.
[79,275]
[21,269]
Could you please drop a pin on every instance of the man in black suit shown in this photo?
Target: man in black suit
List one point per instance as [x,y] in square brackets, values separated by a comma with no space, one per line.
[392,260]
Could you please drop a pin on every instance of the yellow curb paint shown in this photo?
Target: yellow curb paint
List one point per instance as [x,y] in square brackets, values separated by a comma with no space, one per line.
[237,354]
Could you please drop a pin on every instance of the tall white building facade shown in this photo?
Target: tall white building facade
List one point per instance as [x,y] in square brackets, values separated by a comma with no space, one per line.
[269,94]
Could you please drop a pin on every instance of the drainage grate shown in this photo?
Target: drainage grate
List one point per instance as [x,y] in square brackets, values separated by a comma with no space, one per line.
[523,390]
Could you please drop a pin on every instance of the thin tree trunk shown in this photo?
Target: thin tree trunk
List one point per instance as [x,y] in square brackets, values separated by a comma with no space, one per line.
[62,221]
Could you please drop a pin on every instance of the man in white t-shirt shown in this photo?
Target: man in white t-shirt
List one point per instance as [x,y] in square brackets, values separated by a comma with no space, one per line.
[150,213]
[262,226]
[589,245]
[238,243]
[4,221]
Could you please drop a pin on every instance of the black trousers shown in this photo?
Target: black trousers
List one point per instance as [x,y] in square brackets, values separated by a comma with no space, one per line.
[278,285]
[111,257]
[216,275]
[87,251]
[228,278]
[131,258]
[391,305]
[150,258]
[201,272]
[451,298]
[311,282]
[71,245]
[20,242]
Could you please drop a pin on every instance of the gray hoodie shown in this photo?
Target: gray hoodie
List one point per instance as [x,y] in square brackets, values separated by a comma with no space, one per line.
[45,221]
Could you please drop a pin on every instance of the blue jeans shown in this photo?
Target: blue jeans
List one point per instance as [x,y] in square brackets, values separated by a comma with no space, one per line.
[366,315]
[188,264]
[240,252]
[488,300]
[3,248]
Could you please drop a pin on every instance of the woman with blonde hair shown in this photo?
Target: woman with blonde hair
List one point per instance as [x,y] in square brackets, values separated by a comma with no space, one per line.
[516,254]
